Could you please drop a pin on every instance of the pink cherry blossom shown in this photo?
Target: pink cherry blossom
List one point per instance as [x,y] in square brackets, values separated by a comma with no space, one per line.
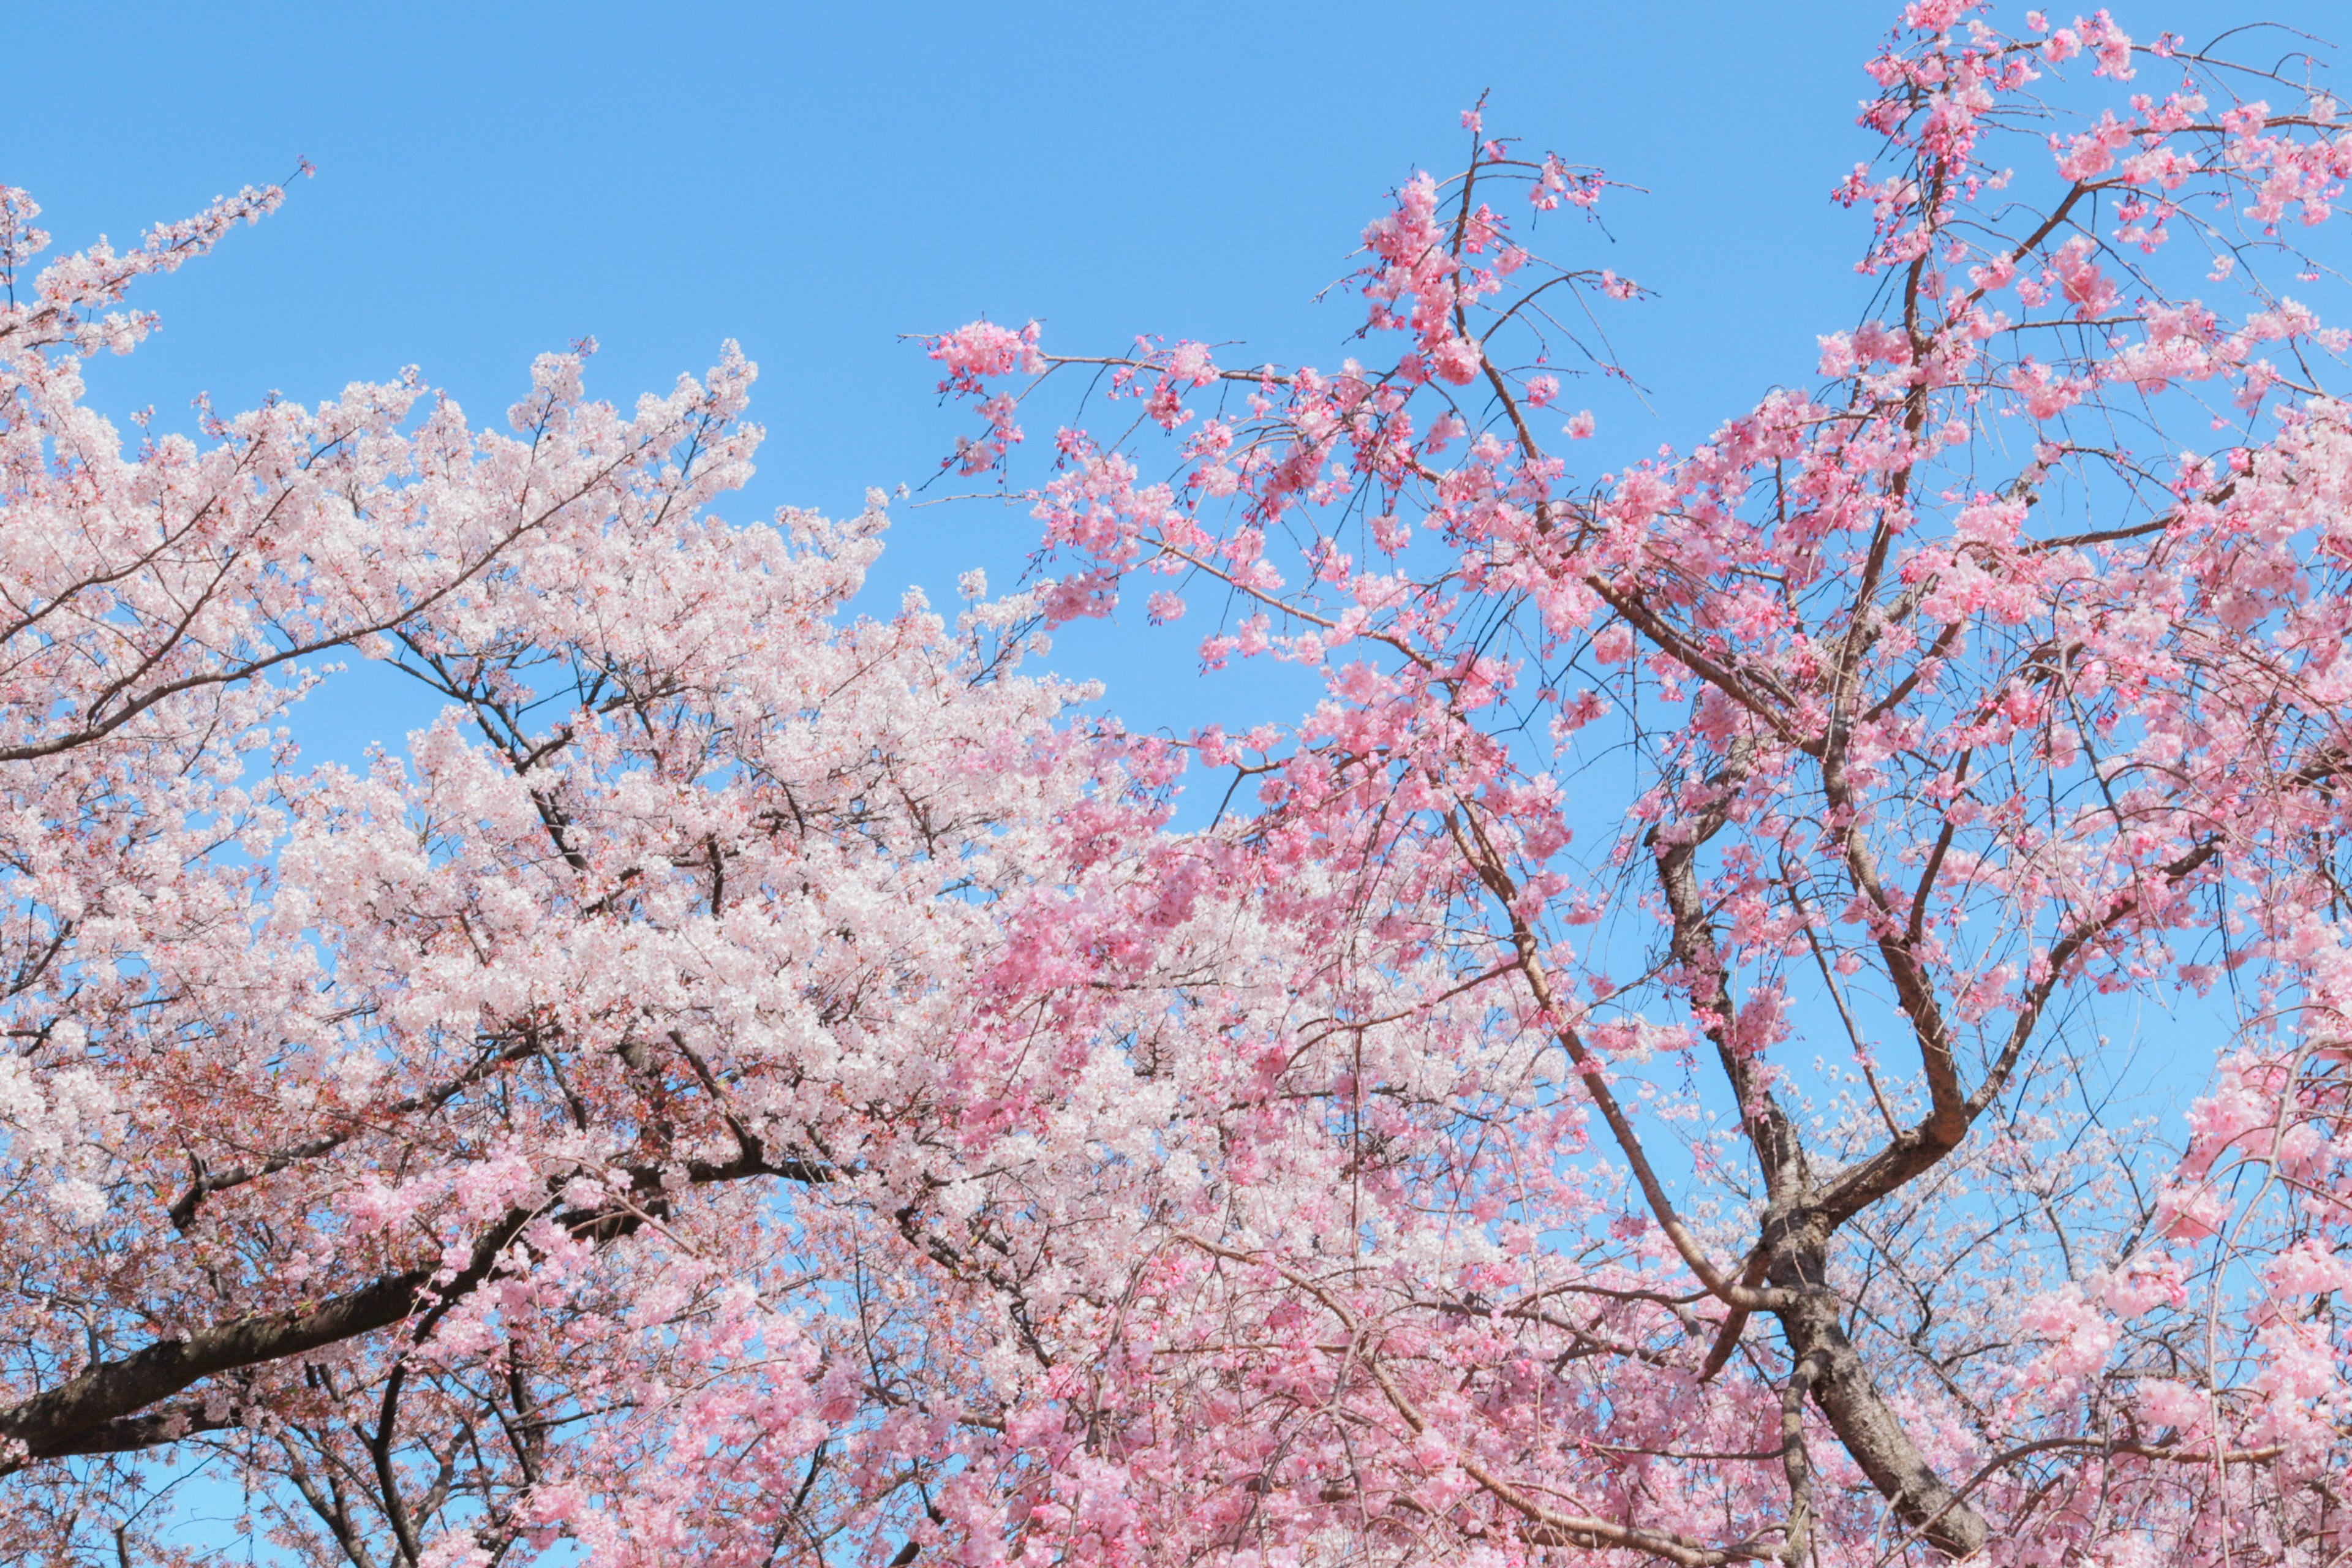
[1901,718]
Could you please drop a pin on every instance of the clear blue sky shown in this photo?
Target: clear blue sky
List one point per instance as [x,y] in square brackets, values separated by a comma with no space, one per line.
[496,180]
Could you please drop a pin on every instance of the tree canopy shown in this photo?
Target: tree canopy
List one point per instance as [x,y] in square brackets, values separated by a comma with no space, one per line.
[1642,1071]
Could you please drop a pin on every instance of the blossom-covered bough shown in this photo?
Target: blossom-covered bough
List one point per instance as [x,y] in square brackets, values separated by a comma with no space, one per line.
[1849,763]
[1623,1081]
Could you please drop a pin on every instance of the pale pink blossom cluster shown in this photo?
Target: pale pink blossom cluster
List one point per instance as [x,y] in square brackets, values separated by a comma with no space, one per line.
[560,1082]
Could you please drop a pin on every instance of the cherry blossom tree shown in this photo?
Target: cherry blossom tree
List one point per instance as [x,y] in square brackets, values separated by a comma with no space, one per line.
[401,1145]
[1682,1127]
[1642,1071]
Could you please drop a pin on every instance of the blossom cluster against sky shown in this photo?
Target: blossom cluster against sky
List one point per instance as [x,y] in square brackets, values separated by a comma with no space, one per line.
[816,180]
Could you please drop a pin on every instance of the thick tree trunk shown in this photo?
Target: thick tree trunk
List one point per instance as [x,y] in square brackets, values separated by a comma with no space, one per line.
[1865,1424]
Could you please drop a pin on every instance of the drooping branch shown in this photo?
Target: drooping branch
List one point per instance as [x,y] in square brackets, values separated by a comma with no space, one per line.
[1543,1525]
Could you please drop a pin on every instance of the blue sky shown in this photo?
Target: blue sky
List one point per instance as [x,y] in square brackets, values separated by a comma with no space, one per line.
[497,180]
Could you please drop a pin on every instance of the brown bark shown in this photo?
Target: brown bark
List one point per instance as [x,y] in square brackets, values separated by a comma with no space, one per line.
[105,1409]
[1865,1424]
